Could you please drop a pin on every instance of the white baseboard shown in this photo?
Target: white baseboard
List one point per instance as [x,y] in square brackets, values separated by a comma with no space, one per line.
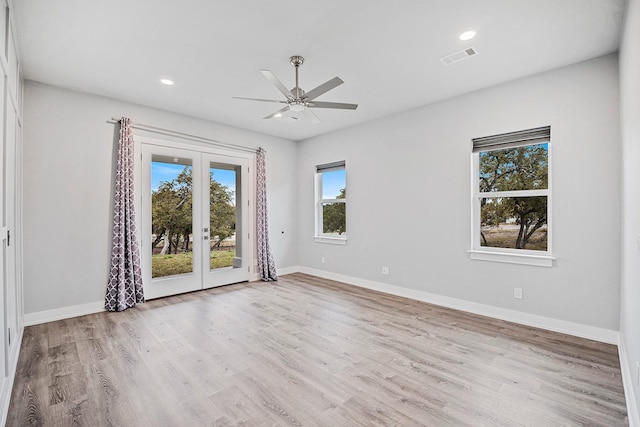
[98,306]
[627,381]
[287,270]
[583,331]
[63,313]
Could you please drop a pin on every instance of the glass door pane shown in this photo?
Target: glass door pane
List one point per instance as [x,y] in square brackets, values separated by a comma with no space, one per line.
[227,218]
[171,216]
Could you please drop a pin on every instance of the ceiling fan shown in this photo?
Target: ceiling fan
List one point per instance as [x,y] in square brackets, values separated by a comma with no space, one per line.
[298,100]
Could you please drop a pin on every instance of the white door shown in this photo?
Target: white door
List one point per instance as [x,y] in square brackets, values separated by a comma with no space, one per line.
[10,285]
[225,220]
[194,220]
[4,252]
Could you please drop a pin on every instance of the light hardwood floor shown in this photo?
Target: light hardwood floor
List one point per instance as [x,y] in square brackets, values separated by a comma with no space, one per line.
[312,352]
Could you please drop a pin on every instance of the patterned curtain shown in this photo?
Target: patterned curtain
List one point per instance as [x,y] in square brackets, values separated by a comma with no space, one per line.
[125,278]
[266,264]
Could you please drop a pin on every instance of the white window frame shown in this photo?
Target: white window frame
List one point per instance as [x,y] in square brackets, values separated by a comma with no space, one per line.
[508,255]
[319,235]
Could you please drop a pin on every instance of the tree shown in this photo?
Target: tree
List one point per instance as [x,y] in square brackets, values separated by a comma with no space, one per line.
[514,169]
[334,215]
[172,212]
[222,212]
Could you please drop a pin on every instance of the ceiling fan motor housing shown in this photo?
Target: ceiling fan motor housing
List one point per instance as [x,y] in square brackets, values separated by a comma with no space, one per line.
[297,92]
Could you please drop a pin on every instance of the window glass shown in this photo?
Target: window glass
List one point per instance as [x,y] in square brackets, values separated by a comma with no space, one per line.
[331,200]
[519,168]
[334,219]
[334,184]
[514,222]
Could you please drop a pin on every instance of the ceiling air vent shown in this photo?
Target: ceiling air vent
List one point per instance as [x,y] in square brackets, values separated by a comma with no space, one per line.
[459,56]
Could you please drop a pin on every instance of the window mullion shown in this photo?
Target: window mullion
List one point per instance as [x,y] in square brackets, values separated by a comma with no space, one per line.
[515,193]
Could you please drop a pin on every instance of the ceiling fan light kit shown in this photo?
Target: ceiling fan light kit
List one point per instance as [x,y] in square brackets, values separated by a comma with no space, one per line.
[297,99]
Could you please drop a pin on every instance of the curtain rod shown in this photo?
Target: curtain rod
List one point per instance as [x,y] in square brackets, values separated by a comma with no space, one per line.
[169,132]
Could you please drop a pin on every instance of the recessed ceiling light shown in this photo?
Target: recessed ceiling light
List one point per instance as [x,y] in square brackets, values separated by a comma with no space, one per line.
[467,35]
[167,82]
[277,115]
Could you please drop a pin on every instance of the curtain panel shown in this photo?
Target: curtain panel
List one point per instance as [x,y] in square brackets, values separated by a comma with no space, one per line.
[124,289]
[266,263]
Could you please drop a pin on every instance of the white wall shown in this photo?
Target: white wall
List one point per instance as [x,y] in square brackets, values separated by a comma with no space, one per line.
[630,131]
[408,179]
[68,173]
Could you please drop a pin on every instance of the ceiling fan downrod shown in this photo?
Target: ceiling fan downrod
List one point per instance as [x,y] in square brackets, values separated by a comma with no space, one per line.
[297,61]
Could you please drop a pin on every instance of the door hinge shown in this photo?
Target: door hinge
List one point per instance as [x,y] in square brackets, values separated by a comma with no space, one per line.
[249,236]
[8,238]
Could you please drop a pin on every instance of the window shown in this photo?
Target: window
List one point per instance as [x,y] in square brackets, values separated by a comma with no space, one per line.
[331,203]
[511,198]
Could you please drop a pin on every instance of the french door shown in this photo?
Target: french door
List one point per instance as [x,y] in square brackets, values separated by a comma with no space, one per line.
[195,219]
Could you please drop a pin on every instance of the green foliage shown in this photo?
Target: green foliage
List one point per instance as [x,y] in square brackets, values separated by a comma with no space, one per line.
[334,215]
[168,265]
[172,212]
[514,169]
[222,218]
[519,168]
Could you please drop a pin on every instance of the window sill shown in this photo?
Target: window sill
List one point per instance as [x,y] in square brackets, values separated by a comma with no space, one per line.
[512,258]
[330,240]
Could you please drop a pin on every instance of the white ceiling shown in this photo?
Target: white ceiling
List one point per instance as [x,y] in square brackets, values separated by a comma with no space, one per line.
[387,52]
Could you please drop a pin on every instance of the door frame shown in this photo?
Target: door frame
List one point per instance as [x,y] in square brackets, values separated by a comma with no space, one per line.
[141,139]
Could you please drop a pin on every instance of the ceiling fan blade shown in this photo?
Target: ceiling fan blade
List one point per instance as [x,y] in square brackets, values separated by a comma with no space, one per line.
[323,88]
[277,83]
[311,116]
[259,99]
[339,105]
[275,113]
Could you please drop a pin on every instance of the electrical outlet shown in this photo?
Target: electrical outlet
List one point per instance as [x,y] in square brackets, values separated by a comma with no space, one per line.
[517,293]
[385,271]
[322,260]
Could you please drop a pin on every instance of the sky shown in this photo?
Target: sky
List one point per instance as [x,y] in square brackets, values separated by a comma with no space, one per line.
[168,171]
[332,183]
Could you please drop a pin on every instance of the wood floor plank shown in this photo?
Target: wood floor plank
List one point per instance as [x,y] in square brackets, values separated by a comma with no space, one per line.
[306,351]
